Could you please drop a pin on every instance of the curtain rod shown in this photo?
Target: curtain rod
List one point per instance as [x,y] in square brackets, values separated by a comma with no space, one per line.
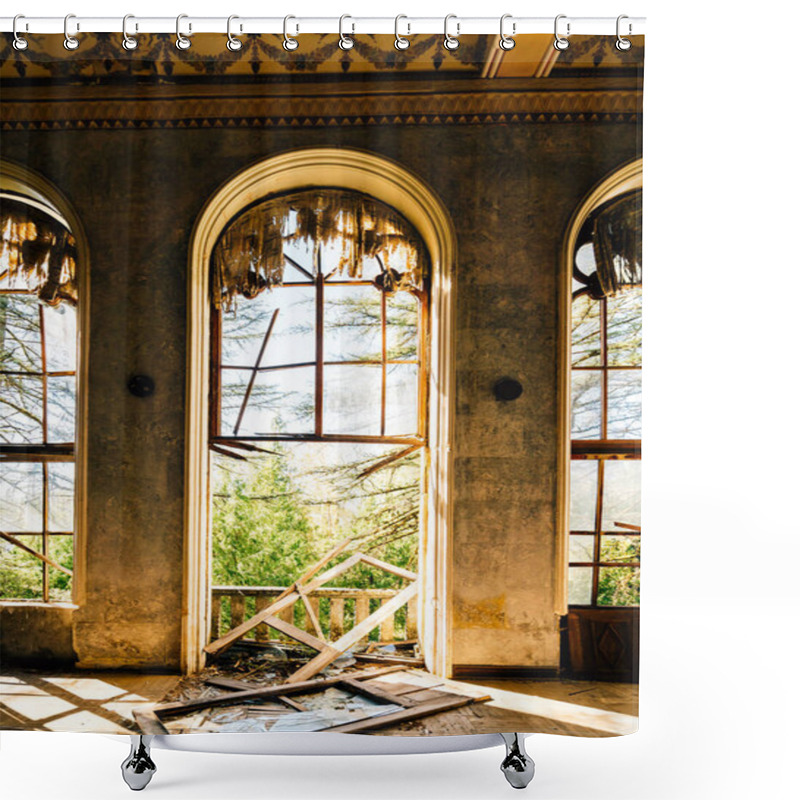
[408,26]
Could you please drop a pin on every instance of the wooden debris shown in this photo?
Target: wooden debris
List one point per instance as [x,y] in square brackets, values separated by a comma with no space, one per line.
[300,591]
[379,658]
[407,714]
[351,637]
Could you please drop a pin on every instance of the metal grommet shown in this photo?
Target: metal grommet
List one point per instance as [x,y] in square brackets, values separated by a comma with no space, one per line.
[345,42]
[289,43]
[506,42]
[70,42]
[560,42]
[623,44]
[19,43]
[451,42]
[400,43]
[233,43]
[182,42]
[128,42]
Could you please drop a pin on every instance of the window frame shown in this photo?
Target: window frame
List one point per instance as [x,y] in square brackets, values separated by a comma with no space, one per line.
[27,184]
[623,179]
[319,280]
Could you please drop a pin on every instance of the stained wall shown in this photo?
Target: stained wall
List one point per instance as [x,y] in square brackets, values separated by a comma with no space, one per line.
[510,189]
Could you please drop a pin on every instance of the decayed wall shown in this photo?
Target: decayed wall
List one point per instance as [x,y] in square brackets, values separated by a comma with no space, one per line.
[510,189]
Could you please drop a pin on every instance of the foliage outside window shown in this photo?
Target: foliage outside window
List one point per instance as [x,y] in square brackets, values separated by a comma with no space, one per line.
[317,420]
[38,351]
[605,517]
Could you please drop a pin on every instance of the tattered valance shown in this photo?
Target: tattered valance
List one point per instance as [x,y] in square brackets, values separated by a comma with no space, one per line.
[38,249]
[347,226]
[617,243]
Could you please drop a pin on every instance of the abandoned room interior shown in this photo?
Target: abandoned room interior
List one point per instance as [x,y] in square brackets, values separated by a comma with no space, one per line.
[345,403]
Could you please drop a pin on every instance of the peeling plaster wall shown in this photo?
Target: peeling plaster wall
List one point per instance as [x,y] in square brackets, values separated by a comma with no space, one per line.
[510,190]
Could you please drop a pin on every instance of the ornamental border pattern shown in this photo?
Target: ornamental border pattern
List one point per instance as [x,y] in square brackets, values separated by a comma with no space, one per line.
[467,108]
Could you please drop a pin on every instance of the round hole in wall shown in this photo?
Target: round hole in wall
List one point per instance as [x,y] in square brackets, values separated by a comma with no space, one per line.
[507,389]
[141,385]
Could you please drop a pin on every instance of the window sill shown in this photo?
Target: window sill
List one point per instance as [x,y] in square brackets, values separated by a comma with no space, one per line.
[36,604]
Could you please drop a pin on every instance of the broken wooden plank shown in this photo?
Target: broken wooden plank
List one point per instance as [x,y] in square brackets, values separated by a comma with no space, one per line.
[407,714]
[47,560]
[247,686]
[293,703]
[298,634]
[374,692]
[390,568]
[148,722]
[377,658]
[351,637]
[312,613]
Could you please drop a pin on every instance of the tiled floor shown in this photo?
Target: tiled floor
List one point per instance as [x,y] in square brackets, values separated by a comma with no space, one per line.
[100,702]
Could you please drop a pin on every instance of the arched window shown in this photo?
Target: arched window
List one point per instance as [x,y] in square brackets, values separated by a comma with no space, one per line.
[606,362]
[320,301]
[38,377]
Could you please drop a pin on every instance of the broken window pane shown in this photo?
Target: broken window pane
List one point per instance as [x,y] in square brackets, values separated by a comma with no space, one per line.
[292,340]
[621,493]
[281,401]
[21,575]
[618,549]
[618,586]
[59,548]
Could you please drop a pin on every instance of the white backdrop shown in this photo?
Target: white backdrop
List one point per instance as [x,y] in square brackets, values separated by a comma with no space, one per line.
[719,707]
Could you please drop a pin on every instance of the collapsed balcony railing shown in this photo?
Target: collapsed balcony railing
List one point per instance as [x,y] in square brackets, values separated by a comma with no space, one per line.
[337,610]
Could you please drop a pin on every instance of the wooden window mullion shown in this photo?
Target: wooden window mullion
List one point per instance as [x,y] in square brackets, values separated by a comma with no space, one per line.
[383,363]
[320,355]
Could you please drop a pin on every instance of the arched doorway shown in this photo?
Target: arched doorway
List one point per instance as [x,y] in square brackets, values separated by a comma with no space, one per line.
[390,184]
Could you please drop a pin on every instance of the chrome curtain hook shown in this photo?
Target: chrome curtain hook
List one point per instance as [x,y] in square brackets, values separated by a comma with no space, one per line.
[182,42]
[400,43]
[289,43]
[70,42]
[128,42]
[451,42]
[623,44]
[560,42]
[345,42]
[233,43]
[506,42]
[19,43]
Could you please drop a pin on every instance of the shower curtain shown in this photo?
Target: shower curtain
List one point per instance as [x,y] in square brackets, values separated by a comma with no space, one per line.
[320,376]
